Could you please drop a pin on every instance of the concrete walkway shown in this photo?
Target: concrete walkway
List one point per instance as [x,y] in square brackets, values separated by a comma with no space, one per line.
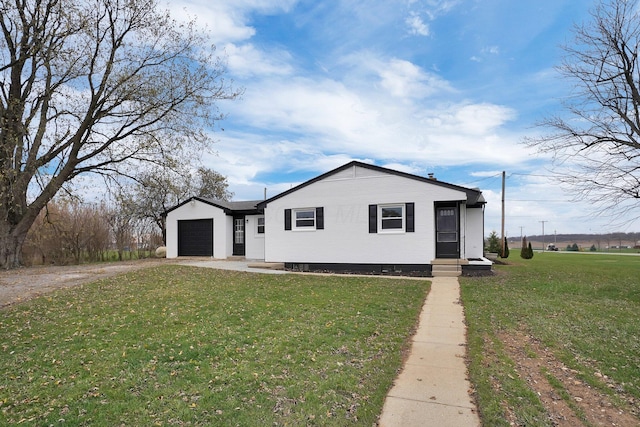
[246,266]
[432,389]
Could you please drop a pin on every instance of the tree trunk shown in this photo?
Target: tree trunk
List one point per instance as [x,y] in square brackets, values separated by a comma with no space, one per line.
[11,241]
[13,235]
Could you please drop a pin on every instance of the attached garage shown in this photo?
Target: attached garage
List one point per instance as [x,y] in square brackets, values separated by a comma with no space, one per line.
[195,237]
[215,228]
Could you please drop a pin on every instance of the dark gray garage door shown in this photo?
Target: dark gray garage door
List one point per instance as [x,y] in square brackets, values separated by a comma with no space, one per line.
[195,237]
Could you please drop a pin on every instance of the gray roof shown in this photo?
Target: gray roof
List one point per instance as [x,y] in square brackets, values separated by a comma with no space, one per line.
[474,195]
[247,207]
[254,207]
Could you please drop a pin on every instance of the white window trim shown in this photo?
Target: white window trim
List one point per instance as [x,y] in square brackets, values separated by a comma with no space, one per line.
[294,219]
[392,230]
[264,228]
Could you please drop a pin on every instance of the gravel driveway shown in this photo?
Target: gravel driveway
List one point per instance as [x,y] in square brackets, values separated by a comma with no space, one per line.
[26,283]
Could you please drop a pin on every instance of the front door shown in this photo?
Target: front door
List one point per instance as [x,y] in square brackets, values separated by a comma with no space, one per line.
[447,232]
[238,236]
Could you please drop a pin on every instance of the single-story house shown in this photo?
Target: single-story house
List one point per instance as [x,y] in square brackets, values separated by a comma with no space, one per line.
[356,218]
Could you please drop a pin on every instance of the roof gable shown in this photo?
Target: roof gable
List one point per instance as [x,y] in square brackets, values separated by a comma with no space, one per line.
[474,196]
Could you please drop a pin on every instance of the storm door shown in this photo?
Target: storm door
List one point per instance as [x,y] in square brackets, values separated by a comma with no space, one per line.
[238,236]
[447,231]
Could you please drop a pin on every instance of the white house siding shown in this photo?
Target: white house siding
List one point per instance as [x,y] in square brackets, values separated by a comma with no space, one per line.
[254,241]
[463,229]
[474,233]
[197,210]
[228,235]
[345,197]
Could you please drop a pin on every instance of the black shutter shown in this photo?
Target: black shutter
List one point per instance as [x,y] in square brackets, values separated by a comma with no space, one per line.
[410,208]
[373,218]
[287,219]
[319,218]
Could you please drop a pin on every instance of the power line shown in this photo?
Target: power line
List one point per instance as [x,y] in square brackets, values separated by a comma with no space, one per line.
[483,179]
[541,200]
[530,174]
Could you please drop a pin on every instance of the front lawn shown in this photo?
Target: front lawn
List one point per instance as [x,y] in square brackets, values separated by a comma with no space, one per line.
[190,346]
[572,320]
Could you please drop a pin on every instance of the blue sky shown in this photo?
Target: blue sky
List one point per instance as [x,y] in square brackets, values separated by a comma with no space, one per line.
[444,86]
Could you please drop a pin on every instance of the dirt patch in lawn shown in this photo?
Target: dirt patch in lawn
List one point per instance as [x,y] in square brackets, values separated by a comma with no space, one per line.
[25,283]
[585,405]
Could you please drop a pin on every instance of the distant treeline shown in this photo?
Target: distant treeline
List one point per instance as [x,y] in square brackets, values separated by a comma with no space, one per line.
[605,237]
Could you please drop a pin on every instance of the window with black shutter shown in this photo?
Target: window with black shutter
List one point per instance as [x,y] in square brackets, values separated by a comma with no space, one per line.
[304,219]
[392,218]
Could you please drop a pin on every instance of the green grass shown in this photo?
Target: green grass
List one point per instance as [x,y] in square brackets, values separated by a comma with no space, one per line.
[584,307]
[188,346]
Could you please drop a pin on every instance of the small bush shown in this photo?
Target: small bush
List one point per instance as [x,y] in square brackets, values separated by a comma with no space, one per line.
[505,253]
[493,243]
[526,252]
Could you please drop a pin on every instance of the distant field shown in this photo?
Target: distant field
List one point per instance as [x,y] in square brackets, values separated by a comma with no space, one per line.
[192,346]
[583,245]
[570,321]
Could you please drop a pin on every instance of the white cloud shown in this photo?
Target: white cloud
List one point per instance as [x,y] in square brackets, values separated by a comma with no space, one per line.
[304,119]
[417,26]
[481,119]
[246,60]
[492,50]
[226,20]
[435,8]
[399,77]
[405,80]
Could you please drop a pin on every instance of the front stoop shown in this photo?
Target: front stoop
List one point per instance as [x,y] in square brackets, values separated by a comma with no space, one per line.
[446,267]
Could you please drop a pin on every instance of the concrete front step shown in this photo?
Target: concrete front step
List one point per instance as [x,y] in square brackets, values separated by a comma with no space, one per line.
[438,273]
[267,265]
[447,267]
[449,261]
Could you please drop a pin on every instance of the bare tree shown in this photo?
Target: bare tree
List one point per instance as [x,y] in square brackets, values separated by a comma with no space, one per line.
[599,140]
[95,86]
[156,190]
[121,225]
[68,231]
[211,184]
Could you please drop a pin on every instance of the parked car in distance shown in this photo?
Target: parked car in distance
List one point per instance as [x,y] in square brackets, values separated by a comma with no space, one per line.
[551,247]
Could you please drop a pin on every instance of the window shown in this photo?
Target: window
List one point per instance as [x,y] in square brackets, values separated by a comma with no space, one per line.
[238,231]
[447,225]
[305,218]
[392,218]
[260,225]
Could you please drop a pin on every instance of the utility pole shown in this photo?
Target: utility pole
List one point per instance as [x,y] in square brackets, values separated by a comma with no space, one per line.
[543,234]
[521,227]
[502,241]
